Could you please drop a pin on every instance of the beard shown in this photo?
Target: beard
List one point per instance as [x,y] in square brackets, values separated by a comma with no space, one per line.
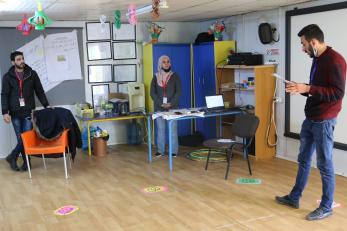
[166,70]
[20,66]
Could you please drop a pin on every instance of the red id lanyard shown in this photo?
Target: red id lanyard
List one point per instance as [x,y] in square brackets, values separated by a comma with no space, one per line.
[20,85]
[165,86]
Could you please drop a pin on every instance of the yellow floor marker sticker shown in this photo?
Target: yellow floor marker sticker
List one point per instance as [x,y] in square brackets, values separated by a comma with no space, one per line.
[155,189]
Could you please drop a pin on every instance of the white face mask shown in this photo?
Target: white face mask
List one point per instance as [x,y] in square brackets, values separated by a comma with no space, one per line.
[315,52]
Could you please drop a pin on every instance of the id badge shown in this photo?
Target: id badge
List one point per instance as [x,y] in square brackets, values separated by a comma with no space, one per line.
[164,99]
[21,102]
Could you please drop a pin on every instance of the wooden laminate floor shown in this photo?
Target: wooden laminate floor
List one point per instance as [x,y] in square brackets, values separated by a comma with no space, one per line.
[107,191]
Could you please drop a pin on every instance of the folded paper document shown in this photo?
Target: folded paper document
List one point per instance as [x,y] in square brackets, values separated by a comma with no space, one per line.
[225,140]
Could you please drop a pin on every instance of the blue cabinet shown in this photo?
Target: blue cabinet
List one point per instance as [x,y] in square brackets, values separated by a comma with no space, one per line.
[181,64]
[206,56]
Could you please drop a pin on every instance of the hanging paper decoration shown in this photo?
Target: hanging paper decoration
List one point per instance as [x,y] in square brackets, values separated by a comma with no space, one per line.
[117,16]
[132,14]
[40,19]
[155,9]
[103,19]
[217,29]
[25,27]
[155,31]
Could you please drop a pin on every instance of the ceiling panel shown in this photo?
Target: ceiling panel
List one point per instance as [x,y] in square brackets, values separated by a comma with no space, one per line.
[180,10]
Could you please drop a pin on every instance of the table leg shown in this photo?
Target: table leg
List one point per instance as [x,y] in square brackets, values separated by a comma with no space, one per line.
[89,148]
[170,144]
[149,137]
[220,126]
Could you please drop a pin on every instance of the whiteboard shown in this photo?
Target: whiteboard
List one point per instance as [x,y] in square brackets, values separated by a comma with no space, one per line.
[74,90]
[331,19]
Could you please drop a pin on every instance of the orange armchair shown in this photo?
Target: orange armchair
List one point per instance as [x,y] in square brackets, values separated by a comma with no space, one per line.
[34,145]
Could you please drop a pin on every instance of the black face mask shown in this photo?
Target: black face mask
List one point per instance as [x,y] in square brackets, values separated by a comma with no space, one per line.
[166,70]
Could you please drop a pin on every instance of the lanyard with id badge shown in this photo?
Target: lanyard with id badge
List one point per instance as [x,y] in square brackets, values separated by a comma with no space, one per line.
[164,90]
[21,98]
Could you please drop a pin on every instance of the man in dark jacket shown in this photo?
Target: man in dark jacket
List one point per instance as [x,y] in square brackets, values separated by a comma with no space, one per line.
[324,94]
[19,86]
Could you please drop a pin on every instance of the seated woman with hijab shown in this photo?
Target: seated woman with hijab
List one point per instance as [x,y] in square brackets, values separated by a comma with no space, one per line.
[165,93]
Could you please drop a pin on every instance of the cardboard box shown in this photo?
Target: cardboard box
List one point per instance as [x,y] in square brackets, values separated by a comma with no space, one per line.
[116,95]
[82,110]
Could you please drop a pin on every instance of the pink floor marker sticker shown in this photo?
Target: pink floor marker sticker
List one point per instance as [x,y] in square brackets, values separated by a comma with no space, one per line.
[335,205]
[66,210]
[155,189]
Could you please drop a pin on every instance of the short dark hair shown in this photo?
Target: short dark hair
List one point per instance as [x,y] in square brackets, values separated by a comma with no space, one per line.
[312,31]
[15,54]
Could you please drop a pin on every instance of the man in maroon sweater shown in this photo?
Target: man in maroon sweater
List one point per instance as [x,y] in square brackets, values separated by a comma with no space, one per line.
[324,99]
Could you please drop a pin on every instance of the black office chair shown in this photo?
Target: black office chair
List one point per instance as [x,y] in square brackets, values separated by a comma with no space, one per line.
[244,126]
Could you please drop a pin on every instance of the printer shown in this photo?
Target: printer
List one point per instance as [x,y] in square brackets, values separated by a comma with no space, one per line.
[245,58]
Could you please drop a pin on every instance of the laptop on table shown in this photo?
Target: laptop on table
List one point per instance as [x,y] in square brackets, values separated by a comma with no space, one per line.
[214,103]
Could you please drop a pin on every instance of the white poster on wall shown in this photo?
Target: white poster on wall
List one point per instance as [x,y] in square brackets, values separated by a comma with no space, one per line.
[34,56]
[55,58]
[62,57]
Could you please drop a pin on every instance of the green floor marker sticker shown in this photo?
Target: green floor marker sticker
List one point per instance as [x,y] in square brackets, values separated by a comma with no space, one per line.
[247,181]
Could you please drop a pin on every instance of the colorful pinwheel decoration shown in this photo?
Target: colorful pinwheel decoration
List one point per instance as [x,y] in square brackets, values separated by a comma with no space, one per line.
[132,14]
[155,31]
[155,9]
[40,19]
[117,22]
[217,29]
[25,27]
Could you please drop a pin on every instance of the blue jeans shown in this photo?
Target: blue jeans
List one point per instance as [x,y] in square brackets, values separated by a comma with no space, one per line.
[161,133]
[319,136]
[20,126]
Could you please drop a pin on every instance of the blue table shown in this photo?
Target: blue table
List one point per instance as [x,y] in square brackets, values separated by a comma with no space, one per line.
[188,117]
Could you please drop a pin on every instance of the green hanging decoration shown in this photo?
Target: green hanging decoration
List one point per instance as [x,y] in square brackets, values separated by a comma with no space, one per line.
[40,19]
[117,16]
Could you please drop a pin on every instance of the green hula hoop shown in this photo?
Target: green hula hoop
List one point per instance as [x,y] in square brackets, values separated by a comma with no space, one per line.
[201,155]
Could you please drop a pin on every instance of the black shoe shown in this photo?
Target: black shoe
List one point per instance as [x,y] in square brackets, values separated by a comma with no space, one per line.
[24,166]
[12,162]
[318,214]
[285,200]
[174,155]
[158,154]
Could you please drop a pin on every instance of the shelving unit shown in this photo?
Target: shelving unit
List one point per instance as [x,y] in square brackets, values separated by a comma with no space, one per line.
[262,99]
